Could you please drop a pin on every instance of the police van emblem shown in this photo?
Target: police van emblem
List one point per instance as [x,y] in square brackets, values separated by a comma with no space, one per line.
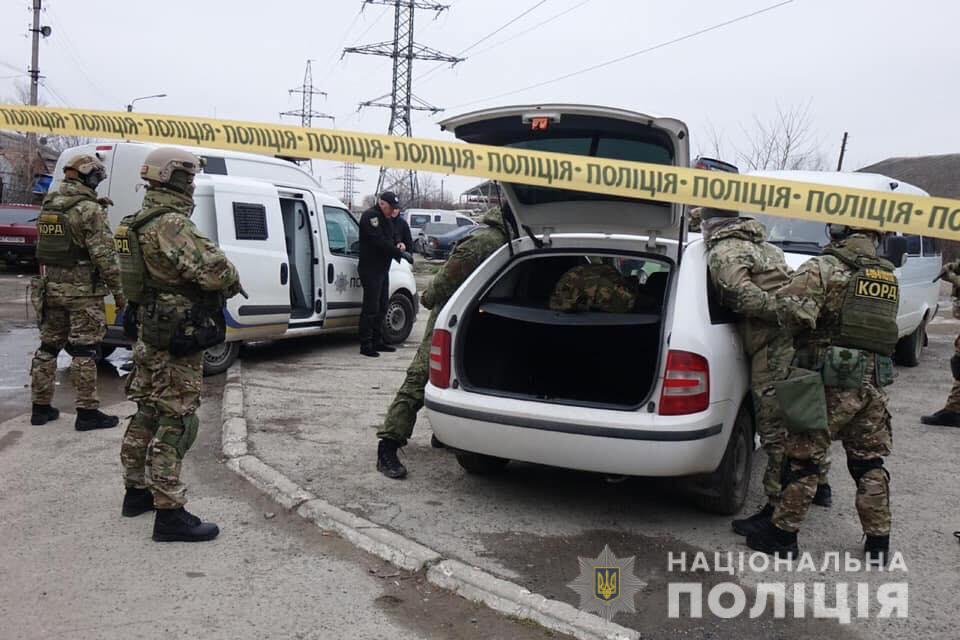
[341,283]
[607,584]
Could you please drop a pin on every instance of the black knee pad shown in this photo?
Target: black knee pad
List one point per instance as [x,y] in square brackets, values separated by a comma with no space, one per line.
[82,350]
[791,475]
[955,366]
[858,468]
[52,349]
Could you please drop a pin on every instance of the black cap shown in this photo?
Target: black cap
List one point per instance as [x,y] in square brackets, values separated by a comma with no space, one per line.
[390,198]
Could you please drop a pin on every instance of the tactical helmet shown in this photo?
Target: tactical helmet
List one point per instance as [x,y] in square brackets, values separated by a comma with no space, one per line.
[171,167]
[843,231]
[706,213]
[91,170]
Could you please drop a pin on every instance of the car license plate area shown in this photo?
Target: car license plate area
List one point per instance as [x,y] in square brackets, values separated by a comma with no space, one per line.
[13,239]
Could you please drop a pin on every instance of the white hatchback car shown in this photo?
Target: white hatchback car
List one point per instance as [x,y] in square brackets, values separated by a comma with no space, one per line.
[662,391]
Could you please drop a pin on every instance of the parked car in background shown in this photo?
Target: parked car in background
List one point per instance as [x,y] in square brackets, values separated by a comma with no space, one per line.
[18,233]
[417,218]
[440,239]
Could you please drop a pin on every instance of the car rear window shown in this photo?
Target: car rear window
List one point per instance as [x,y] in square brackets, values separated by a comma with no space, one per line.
[438,228]
[597,146]
[18,215]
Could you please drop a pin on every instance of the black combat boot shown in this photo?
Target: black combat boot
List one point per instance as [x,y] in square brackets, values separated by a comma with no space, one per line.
[746,526]
[368,350]
[136,501]
[773,540]
[384,347]
[387,461]
[90,419]
[824,497]
[877,550]
[943,418]
[179,525]
[43,413]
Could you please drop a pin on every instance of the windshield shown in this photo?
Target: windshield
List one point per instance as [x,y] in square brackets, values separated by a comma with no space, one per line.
[788,232]
[17,215]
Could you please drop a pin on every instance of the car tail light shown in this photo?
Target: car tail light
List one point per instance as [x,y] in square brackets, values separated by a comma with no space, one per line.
[104,147]
[686,384]
[440,359]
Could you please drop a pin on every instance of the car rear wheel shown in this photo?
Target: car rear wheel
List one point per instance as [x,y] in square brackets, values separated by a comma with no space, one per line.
[910,347]
[725,490]
[480,464]
[399,319]
[218,359]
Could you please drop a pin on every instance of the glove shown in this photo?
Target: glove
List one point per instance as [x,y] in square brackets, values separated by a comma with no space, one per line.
[426,299]
[129,320]
[105,202]
[406,255]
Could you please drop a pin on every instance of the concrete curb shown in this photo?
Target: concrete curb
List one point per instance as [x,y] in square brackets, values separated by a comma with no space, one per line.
[468,582]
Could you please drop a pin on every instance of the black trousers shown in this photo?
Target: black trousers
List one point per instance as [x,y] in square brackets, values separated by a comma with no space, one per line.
[376,297]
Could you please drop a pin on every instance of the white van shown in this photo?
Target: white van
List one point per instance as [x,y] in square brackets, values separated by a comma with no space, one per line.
[417,218]
[919,294]
[296,248]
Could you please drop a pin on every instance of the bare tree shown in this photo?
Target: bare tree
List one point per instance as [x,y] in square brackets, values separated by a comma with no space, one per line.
[787,140]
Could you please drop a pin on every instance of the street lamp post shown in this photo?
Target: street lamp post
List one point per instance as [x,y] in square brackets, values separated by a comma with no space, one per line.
[158,95]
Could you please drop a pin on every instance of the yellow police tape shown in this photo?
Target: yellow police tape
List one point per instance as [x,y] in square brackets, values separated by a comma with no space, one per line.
[937,217]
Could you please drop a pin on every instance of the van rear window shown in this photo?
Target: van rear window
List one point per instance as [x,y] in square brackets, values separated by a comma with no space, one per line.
[418,220]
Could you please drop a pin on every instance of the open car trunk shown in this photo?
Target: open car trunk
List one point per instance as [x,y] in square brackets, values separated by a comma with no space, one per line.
[513,344]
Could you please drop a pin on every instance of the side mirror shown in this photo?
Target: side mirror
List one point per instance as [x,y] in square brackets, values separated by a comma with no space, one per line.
[896,250]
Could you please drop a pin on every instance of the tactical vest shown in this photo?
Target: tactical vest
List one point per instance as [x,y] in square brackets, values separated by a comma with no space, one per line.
[135,278]
[55,245]
[868,315]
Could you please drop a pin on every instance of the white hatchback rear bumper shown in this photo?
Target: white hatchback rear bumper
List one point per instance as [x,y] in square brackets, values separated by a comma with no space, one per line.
[633,443]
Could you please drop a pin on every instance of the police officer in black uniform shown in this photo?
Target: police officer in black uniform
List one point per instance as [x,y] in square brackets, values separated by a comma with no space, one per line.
[377,248]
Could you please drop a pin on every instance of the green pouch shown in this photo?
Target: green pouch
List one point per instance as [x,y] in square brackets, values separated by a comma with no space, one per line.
[885,373]
[183,440]
[844,368]
[802,401]
[159,325]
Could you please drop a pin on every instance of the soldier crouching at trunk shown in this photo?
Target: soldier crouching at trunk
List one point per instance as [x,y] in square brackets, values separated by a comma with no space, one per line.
[77,255]
[177,282]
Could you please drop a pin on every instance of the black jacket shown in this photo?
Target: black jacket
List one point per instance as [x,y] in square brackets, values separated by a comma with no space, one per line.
[401,233]
[377,246]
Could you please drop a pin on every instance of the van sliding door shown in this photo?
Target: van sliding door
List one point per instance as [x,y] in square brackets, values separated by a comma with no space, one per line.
[250,231]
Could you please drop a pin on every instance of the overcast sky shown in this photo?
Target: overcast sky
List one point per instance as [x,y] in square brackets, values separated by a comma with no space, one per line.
[884,70]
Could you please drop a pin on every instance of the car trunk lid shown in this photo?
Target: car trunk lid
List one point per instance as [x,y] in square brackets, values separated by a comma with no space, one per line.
[592,131]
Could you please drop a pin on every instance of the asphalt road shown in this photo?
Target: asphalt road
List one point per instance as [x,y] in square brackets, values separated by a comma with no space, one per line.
[313,405]
[71,567]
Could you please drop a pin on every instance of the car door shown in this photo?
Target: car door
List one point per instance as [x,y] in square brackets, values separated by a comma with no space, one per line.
[342,282]
[250,231]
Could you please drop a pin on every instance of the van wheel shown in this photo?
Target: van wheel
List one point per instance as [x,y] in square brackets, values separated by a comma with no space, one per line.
[726,488]
[399,319]
[480,464]
[219,358]
[910,347]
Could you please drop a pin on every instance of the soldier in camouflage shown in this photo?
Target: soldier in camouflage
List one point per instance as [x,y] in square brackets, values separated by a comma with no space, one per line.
[179,281]
[949,416]
[851,296]
[75,249]
[402,414]
[595,287]
[745,270]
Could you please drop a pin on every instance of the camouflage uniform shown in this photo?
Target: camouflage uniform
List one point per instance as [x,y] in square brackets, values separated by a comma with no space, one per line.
[70,299]
[467,256]
[745,271]
[858,417]
[595,287]
[165,387]
[951,273]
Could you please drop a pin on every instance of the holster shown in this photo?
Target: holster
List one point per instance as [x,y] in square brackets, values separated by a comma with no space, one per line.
[200,328]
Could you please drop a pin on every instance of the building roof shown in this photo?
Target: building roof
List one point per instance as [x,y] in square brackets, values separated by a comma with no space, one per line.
[937,175]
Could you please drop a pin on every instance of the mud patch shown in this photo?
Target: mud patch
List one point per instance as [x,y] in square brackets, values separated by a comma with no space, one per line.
[9,439]
[546,564]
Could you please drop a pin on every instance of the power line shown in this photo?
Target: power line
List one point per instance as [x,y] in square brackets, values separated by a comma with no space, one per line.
[484,38]
[74,54]
[528,30]
[629,55]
